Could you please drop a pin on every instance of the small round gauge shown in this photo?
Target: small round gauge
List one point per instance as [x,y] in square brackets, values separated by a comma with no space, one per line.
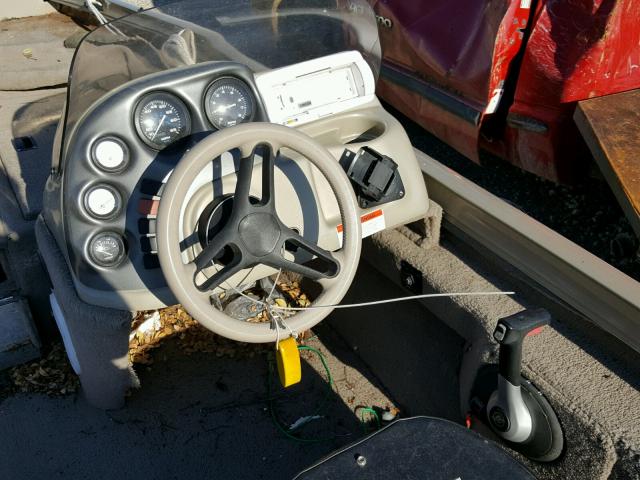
[110,154]
[106,249]
[161,119]
[228,102]
[102,201]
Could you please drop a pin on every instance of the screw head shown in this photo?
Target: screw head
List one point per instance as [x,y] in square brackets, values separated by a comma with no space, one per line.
[361,461]
[409,281]
[499,419]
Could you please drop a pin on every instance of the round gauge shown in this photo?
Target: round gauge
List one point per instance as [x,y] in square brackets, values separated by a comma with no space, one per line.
[102,201]
[161,119]
[110,154]
[106,249]
[228,102]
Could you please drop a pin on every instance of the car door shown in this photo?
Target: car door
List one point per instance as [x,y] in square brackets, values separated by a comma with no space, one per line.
[446,61]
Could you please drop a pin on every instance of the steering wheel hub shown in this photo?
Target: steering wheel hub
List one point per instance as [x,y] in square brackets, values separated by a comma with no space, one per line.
[260,233]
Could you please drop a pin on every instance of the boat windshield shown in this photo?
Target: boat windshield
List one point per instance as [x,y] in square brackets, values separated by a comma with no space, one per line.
[261,34]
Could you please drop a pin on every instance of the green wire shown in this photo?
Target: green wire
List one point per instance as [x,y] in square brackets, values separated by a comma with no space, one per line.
[285,431]
[323,360]
[370,411]
[321,407]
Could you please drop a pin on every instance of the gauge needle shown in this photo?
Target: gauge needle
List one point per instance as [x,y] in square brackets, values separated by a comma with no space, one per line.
[104,252]
[224,108]
[159,125]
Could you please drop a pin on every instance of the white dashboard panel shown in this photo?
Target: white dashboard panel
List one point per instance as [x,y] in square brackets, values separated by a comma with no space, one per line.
[307,91]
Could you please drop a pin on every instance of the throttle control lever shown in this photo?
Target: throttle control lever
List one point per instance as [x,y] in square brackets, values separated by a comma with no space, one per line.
[508,413]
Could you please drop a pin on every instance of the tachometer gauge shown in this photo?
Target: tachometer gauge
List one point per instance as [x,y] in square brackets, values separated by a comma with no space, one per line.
[228,102]
[161,119]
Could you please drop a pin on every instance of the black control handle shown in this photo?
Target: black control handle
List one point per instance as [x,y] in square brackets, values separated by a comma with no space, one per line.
[510,333]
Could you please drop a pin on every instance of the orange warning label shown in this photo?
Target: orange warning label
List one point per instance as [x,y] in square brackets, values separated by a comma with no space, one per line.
[372,222]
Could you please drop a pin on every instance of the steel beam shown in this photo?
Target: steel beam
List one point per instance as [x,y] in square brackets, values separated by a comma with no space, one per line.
[601,293]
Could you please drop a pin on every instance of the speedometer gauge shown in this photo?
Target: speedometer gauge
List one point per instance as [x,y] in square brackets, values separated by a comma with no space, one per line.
[228,102]
[161,119]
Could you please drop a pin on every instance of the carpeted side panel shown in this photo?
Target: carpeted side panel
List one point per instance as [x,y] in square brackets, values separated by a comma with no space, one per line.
[415,356]
[100,335]
[595,400]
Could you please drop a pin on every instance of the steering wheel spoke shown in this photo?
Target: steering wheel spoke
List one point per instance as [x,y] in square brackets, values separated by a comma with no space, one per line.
[213,250]
[242,199]
[280,262]
[222,275]
[322,265]
[268,175]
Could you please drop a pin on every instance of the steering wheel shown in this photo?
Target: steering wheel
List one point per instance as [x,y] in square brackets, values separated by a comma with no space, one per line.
[253,234]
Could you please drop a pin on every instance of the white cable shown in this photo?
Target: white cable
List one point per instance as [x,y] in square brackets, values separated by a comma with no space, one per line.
[271,312]
[275,324]
[376,302]
[91,5]
[271,309]
[273,288]
[393,300]
[286,325]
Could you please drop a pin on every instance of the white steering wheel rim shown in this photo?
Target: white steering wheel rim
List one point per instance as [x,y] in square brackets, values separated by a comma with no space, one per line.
[179,275]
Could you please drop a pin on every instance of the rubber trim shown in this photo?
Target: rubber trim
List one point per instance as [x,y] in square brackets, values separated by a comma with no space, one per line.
[435,95]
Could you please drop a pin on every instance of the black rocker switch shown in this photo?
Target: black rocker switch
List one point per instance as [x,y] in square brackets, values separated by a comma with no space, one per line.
[373,172]
[375,176]
[510,333]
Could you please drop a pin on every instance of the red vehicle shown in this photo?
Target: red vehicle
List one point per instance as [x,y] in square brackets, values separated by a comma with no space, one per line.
[506,76]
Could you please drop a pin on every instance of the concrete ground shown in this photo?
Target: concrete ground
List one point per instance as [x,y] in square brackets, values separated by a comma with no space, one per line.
[33,55]
[25,8]
[200,416]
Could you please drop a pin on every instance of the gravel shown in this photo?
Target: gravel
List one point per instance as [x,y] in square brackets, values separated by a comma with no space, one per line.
[586,213]
[53,375]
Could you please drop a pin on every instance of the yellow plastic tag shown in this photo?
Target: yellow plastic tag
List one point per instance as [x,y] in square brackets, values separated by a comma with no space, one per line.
[289,367]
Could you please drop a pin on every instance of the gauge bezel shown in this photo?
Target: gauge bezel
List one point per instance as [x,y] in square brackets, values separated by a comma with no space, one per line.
[105,186]
[119,258]
[125,149]
[233,82]
[170,98]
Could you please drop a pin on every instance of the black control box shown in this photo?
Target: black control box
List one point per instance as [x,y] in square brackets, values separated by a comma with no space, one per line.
[374,176]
